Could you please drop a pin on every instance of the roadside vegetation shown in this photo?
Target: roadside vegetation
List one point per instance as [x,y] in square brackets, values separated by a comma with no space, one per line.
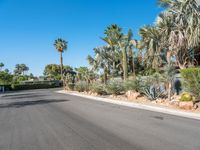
[159,67]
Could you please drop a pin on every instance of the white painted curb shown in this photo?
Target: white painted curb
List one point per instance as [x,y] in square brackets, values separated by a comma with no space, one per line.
[139,106]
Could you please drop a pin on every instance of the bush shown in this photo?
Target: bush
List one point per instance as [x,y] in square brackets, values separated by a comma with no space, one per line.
[115,87]
[32,86]
[191,81]
[71,86]
[186,97]
[98,88]
[151,92]
[81,86]
[133,85]
[7,87]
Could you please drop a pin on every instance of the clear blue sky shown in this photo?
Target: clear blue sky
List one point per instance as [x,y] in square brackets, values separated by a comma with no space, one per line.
[28,28]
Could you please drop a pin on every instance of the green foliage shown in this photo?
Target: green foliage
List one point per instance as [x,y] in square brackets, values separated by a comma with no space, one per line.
[32,86]
[82,86]
[84,74]
[53,71]
[191,81]
[71,86]
[20,69]
[98,88]
[115,87]
[5,77]
[152,93]
[186,97]
[7,87]
[60,44]
[133,85]
[18,79]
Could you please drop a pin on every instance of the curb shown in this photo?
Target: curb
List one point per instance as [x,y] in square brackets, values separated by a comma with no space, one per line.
[138,106]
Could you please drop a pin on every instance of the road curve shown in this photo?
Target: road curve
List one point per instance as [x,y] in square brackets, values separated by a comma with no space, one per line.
[45,120]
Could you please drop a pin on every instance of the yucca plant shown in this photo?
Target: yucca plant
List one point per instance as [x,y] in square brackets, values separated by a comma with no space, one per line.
[151,93]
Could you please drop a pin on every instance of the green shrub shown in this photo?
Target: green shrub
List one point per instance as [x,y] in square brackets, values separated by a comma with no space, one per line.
[191,81]
[71,86]
[82,86]
[98,88]
[32,86]
[7,87]
[186,97]
[115,87]
[133,85]
[151,92]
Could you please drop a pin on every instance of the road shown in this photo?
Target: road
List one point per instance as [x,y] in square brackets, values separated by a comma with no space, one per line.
[45,120]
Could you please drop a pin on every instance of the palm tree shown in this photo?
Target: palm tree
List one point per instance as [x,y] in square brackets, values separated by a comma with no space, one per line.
[102,60]
[1,66]
[181,20]
[20,69]
[151,43]
[113,33]
[61,46]
[169,77]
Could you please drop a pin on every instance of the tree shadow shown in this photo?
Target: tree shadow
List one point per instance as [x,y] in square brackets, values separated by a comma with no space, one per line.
[23,96]
[30,103]
[18,94]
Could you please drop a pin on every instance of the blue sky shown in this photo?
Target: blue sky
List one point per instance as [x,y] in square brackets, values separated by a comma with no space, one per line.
[28,28]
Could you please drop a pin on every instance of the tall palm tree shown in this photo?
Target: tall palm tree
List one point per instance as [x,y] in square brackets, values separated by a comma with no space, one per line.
[151,42]
[61,46]
[182,19]
[113,33]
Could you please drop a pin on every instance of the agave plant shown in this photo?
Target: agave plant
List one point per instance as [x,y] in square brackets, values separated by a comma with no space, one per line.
[152,93]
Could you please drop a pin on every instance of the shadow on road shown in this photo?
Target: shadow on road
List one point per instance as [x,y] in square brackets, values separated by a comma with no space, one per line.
[29,103]
[18,94]
[23,96]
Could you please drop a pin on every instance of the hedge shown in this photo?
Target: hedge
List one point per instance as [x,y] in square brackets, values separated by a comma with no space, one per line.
[32,86]
[7,87]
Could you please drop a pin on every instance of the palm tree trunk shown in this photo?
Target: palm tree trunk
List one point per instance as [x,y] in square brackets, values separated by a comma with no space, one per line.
[169,90]
[105,75]
[125,66]
[61,66]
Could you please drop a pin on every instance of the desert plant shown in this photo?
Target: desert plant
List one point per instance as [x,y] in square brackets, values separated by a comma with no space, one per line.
[81,86]
[130,85]
[151,92]
[98,88]
[135,85]
[187,97]
[115,87]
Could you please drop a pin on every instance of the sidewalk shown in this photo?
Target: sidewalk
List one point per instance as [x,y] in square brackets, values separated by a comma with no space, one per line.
[138,106]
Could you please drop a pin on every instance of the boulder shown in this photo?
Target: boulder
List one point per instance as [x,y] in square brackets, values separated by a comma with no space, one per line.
[186,105]
[197,106]
[132,95]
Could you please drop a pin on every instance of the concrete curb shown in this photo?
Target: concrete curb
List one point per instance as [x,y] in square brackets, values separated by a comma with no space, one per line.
[139,106]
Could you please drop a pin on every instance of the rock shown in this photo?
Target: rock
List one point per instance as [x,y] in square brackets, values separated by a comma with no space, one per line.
[160,101]
[197,106]
[132,95]
[174,102]
[186,105]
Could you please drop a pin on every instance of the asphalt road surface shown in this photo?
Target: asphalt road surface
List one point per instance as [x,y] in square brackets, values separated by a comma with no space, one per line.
[45,120]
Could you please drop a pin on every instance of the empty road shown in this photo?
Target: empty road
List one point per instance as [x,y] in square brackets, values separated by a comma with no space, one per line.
[45,120]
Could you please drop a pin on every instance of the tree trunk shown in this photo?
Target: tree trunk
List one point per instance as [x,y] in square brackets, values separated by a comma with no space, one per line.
[125,66]
[61,67]
[168,56]
[105,75]
[169,90]
[114,69]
